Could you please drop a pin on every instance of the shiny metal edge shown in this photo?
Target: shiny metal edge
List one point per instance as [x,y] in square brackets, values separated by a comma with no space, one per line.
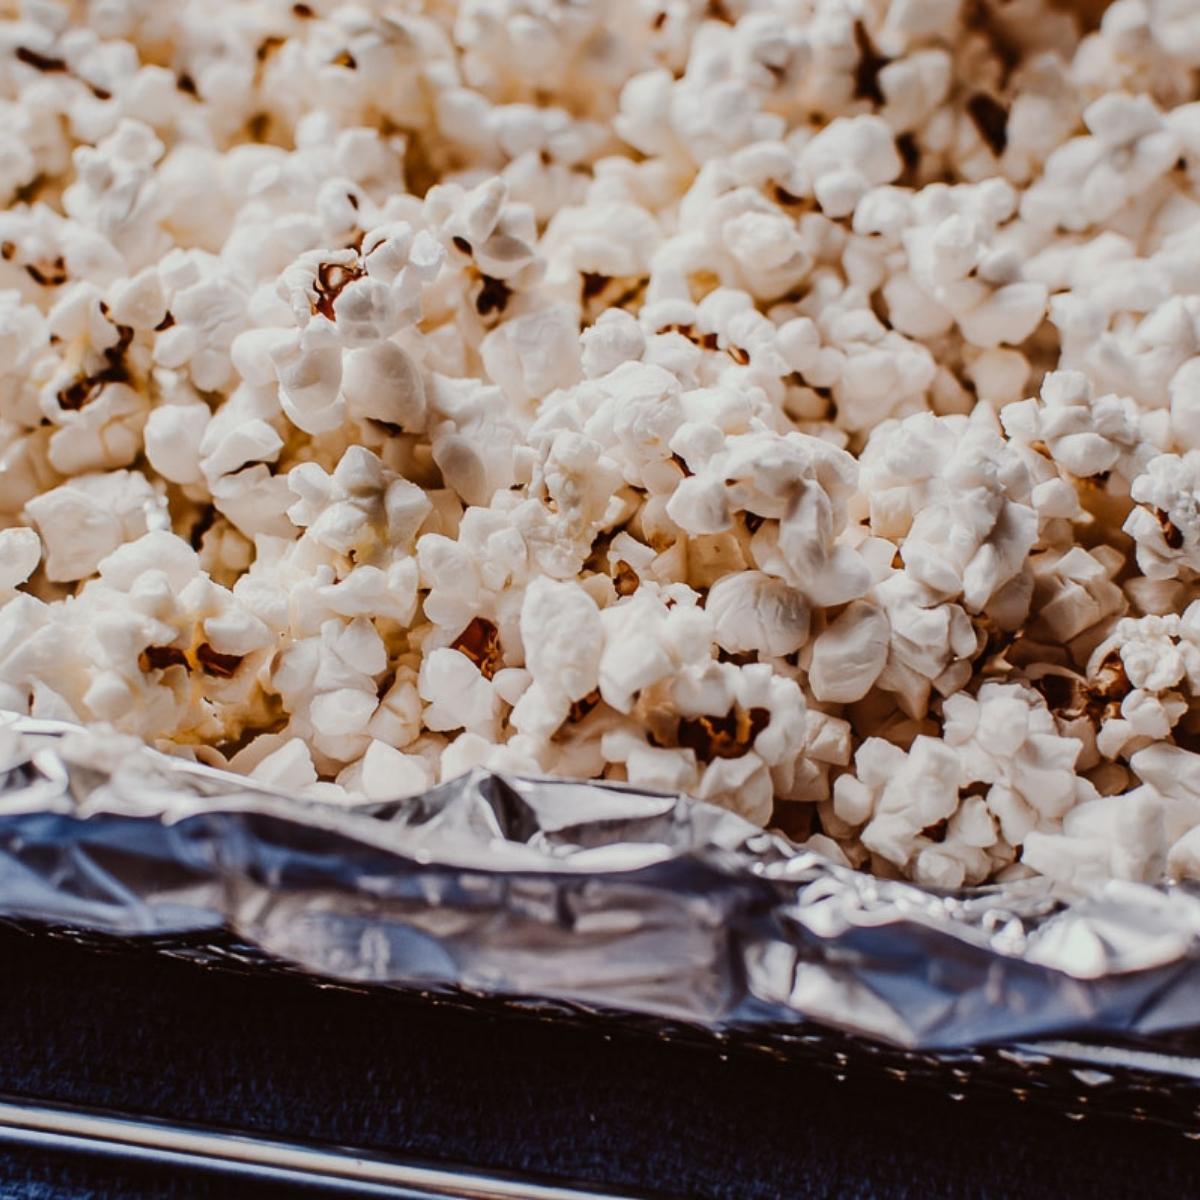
[330,1168]
[1117,1057]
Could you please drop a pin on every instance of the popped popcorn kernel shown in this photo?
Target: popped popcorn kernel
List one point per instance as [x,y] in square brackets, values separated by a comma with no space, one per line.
[796,406]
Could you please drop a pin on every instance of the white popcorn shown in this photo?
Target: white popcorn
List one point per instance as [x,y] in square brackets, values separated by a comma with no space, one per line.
[563,637]
[290,767]
[800,486]
[1074,592]
[930,643]
[309,385]
[1165,524]
[907,793]
[1110,837]
[388,774]
[790,406]
[753,612]
[849,656]
[457,696]
[1088,179]
[87,518]
[350,510]
[846,159]
[20,552]
[1007,738]
[381,383]
[1085,435]
[172,438]
[1146,673]
[959,497]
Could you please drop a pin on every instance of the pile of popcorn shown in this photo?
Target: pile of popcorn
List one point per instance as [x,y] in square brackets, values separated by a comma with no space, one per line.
[793,403]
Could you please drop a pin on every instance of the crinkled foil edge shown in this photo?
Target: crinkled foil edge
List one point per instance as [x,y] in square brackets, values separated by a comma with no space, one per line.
[591,894]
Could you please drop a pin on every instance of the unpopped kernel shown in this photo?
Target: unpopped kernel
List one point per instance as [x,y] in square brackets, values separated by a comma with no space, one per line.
[797,406]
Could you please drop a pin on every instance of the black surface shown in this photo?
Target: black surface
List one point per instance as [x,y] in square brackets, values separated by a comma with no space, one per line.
[167,1038]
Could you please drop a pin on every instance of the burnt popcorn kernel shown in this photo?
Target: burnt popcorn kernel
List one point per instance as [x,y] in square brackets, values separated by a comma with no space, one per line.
[591,284]
[186,84]
[27,193]
[706,341]
[738,660]
[85,389]
[991,119]
[729,736]
[1171,532]
[1065,695]
[936,832]
[203,524]
[51,274]
[75,395]
[303,11]
[268,46]
[258,126]
[1106,688]
[332,279]
[866,70]
[493,296]
[159,658]
[480,642]
[39,61]
[632,295]
[581,707]
[625,578]
[213,662]
[977,15]
[461,244]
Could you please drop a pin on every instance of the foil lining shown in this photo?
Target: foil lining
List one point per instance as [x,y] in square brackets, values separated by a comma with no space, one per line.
[590,894]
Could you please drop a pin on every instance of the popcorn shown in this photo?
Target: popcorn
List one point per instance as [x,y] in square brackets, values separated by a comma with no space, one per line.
[956,494]
[1088,179]
[380,382]
[1165,524]
[1085,435]
[1007,738]
[563,636]
[20,553]
[849,656]
[172,437]
[457,695]
[753,613]
[725,402]
[357,506]
[848,157]
[1144,675]
[88,517]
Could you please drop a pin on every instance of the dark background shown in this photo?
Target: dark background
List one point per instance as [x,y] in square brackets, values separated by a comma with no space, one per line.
[155,1036]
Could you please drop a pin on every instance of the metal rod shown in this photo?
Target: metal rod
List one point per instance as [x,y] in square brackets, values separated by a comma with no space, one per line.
[331,1168]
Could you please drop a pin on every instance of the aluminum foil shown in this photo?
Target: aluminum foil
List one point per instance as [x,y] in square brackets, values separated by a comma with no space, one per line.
[592,894]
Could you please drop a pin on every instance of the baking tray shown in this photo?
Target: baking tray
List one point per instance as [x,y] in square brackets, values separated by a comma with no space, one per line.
[594,903]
